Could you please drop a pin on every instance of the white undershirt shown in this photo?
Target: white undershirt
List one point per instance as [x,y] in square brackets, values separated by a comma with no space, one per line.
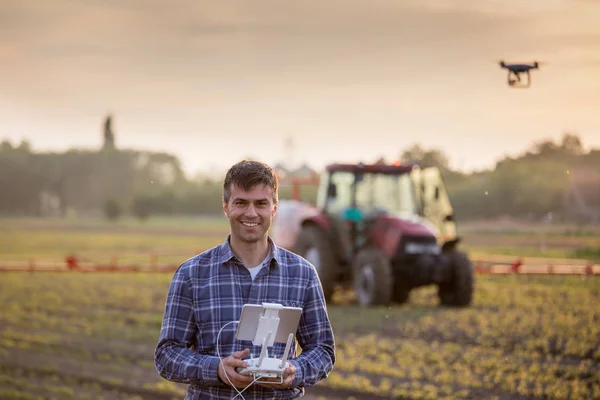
[254,271]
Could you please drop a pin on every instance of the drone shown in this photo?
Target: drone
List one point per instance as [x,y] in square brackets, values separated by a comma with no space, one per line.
[515,71]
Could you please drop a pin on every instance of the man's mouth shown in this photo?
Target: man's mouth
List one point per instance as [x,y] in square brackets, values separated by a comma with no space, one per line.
[250,224]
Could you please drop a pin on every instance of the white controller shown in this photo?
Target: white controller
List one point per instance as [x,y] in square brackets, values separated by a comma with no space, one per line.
[267,367]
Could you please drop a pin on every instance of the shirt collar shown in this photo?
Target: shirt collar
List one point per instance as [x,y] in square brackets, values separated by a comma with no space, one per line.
[226,253]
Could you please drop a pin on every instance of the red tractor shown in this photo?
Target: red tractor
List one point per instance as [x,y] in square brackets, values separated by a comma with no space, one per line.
[382,229]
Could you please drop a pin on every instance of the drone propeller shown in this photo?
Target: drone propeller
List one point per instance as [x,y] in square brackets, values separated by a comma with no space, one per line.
[505,64]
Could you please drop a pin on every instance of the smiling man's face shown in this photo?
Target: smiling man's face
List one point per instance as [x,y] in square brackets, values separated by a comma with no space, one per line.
[250,213]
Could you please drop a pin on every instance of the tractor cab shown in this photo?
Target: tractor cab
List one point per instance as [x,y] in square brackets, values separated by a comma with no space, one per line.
[354,197]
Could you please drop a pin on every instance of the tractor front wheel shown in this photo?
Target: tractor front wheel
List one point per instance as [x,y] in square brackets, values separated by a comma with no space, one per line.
[373,279]
[458,290]
[401,290]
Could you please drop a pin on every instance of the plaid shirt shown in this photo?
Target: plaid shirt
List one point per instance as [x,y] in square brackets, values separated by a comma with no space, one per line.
[209,290]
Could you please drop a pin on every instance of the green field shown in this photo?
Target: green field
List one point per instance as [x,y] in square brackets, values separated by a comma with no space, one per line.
[92,336]
[173,240]
[160,240]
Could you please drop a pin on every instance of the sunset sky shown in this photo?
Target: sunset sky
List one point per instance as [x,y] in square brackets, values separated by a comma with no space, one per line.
[348,80]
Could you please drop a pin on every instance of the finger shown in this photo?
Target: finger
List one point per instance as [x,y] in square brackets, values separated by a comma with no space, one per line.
[242,383]
[287,382]
[274,385]
[235,362]
[270,385]
[241,354]
[237,379]
[245,378]
[230,365]
[277,382]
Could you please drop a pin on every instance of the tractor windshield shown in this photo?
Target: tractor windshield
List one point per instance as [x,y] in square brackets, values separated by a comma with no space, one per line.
[386,193]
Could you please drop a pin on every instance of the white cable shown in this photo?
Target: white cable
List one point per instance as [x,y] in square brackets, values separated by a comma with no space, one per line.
[221,361]
[256,377]
[239,393]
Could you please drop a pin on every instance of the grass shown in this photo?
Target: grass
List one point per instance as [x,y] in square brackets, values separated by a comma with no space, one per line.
[136,248]
[190,223]
[93,335]
[522,251]
[166,240]
[173,240]
[578,253]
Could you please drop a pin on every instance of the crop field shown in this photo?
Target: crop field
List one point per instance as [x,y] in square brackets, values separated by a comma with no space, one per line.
[74,335]
[173,240]
[78,335]
[163,241]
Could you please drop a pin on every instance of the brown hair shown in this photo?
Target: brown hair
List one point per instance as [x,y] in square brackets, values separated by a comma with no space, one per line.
[248,174]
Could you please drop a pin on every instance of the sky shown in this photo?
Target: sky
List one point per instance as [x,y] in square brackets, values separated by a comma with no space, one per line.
[315,81]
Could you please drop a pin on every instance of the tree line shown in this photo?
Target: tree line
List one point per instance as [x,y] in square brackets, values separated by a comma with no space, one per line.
[558,179]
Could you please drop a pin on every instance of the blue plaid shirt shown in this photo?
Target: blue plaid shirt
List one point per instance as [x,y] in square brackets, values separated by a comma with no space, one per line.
[209,290]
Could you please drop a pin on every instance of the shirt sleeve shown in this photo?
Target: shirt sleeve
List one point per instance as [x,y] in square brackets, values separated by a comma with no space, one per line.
[173,357]
[315,337]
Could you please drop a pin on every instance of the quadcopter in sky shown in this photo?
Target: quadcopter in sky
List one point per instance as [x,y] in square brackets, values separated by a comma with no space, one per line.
[514,73]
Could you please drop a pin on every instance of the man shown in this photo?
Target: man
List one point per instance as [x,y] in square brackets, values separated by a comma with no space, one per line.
[208,291]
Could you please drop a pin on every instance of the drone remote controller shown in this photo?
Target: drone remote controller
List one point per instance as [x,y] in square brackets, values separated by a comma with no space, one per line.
[268,367]
[265,325]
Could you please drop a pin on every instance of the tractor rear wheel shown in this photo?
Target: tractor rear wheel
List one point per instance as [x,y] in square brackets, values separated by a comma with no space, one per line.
[313,244]
[373,279]
[458,290]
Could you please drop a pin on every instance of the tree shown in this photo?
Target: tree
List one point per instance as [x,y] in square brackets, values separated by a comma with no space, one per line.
[545,147]
[112,209]
[24,146]
[5,146]
[109,136]
[142,207]
[571,144]
[425,157]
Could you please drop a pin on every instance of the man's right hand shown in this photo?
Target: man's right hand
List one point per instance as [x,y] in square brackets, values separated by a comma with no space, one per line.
[229,364]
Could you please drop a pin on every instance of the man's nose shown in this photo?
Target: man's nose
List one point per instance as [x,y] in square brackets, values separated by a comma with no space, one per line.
[251,210]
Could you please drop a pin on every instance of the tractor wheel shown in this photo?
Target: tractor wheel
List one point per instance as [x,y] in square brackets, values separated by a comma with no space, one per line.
[313,244]
[458,291]
[401,290]
[373,279]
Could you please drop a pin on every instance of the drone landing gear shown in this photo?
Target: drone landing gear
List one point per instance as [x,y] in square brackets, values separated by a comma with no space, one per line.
[514,80]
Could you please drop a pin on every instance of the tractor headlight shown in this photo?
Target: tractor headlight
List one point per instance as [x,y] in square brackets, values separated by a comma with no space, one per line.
[421,248]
